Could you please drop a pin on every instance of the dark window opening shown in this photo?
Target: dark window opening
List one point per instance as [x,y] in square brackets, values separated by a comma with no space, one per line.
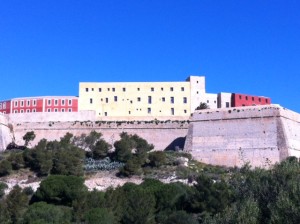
[149,99]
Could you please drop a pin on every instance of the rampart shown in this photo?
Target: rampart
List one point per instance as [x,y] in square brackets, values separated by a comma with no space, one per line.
[260,135]
[5,136]
[162,134]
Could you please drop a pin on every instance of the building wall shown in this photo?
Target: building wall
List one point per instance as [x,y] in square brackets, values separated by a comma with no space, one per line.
[140,99]
[224,100]
[239,100]
[211,100]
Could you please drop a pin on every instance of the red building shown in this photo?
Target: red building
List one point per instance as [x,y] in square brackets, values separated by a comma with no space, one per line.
[5,107]
[240,100]
[40,104]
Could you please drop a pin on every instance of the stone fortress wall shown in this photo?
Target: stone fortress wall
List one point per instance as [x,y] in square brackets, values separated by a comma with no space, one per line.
[260,135]
[162,134]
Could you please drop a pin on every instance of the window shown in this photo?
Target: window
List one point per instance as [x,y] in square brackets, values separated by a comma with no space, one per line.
[113,89]
[70,109]
[49,110]
[227,104]
[91,100]
[171,89]
[108,89]
[22,111]
[259,99]
[49,103]
[27,111]
[240,97]
[28,102]
[92,89]
[70,102]
[149,99]
[105,113]
[115,98]
[100,90]
[86,89]
[182,88]
[34,110]
[266,100]
[62,110]
[163,99]
[139,99]
[16,104]
[207,101]
[252,98]
[34,102]
[124,89]
[55,102]
[62,102]
[129,112]
[172,99]
[106,100]
[246,97]
[138,89]
[149,110]
[152,89]
[15,111]
[4,105]
[185,111]
[162,89]
[184,100]
[172,111]
[55,110]
[22,104]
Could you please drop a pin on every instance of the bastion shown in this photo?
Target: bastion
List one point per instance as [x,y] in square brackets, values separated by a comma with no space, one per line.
[258,135]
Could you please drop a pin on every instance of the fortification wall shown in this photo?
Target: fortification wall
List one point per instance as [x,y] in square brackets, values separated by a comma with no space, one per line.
[160,133]
[5,136]
[261,135]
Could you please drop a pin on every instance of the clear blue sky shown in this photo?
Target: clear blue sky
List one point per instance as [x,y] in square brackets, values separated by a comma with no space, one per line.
[251,46]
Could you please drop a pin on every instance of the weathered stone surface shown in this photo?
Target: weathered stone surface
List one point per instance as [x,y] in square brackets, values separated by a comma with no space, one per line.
[260,135]
[5,137]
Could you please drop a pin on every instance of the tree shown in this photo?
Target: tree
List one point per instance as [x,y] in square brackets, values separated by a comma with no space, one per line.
[41,212]
[5,168]
[28,137]
[202,106]
[99,216]
[157,158]
[60,190]
[101,149]
[124,147]
[3,186]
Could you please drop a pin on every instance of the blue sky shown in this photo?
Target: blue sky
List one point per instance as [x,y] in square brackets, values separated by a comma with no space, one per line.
[250,46]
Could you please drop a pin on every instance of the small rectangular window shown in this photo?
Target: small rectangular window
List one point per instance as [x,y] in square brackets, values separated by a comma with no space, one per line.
[108,89]
[27,111]
[16,104]
[184,100]
[139,99]
[207,101]
[129,112]
[149,110]
[70,109]
[34,110]
[91,100]
[62,102]
[55,110]
[246,97]
[56,102]
[22,111]
[105,113]
[171,89]
[240,97]
[115,98]
[100,90]
[172,99]
[227,104]
[124,89]
[149,99]
[152,89]
[113,89]
[106,100]
[22,104]
[86,89]
[70,102]
[138,89]
[49,103]
[62,110]
[49,110]
[185,111]
[163,99]
[34,102]
[15,111]
[252,98]
[172,111]
[162,89]
[182,88]
[259,99]
[266,100]
[28,103]
[92,89]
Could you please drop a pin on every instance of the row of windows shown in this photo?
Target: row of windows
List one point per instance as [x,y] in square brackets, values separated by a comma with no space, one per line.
[48,110]
[152,89]
[22,103]
[163,99]
[56,101]
[149,111]
[3,105]
[253,98]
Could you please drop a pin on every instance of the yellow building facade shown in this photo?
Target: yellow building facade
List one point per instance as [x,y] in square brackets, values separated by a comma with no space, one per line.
[142,100]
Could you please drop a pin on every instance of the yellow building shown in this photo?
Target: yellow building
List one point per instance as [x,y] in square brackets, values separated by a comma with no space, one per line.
[142,100]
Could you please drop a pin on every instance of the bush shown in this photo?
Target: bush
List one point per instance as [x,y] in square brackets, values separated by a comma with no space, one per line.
[5,168]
